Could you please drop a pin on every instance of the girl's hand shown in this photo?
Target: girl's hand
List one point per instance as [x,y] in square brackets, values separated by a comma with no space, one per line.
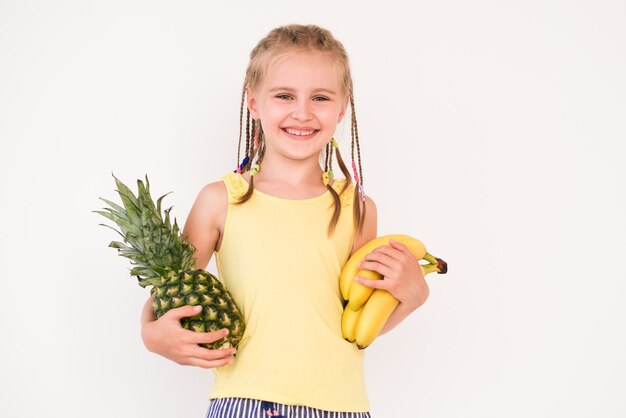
[165,336]
[402,275]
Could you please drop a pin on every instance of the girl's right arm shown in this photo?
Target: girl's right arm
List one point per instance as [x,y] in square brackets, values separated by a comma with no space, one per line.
[165,336]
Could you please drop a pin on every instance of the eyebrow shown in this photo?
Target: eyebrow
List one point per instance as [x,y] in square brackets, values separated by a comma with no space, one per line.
[289,89]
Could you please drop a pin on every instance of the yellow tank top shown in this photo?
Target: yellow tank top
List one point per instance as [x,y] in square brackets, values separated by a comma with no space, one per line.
[283,271]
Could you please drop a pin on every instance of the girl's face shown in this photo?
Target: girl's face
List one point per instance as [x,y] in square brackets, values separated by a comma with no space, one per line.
[299,104]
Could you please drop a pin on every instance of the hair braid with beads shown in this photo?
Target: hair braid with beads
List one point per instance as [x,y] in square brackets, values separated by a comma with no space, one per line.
[299,38]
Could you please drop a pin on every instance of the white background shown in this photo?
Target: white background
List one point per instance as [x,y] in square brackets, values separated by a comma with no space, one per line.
[492,130]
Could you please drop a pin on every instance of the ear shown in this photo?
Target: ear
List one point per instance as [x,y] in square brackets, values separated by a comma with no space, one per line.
[251,102]
[343,110]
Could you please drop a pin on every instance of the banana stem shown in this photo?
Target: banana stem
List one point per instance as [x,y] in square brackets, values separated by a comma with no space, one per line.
[428,268]
[430,258]
[434,265]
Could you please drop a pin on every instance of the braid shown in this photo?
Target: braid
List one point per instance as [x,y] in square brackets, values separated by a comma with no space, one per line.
[358,204]
[259,153]
[328,167]
[355,137]
[330,159]
[243,96]
[344,170]
[336,212]
[248,134]
[327,151]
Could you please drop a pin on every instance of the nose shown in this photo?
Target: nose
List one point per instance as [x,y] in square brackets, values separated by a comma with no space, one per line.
[302,110]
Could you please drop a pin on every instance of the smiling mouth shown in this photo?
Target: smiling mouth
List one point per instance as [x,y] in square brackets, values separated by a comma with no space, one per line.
[300,132]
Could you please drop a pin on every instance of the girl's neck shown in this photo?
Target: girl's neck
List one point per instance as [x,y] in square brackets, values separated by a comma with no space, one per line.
[289,180]
[294,173]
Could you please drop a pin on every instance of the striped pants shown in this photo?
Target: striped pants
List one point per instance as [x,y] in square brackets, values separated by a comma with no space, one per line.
[253,408]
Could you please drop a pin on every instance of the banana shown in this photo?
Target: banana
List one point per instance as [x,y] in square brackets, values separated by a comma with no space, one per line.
[351,268]
[349,320]
[376,311]
[367,310]
[368,274]
[352,265]
[373,317]
[356,293]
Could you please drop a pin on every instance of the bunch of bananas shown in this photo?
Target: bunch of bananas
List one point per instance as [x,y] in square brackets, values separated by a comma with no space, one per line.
[366,310]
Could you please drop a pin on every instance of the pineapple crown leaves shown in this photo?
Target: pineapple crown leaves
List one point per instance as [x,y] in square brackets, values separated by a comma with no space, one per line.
[151,242]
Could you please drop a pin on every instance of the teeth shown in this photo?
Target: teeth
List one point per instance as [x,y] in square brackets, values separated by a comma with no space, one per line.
[299,133]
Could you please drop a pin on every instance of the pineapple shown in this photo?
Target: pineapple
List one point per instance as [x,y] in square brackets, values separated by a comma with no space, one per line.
[162,258]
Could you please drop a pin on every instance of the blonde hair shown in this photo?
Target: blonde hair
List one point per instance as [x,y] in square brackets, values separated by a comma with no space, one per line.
[285,40]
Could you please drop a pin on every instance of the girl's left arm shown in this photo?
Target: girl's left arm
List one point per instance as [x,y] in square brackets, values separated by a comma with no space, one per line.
[402,276]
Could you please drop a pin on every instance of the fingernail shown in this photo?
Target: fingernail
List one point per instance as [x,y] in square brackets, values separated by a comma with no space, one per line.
[197,308]
[225,331]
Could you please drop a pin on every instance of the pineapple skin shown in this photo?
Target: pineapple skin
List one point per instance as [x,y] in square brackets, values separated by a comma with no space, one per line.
[199,287]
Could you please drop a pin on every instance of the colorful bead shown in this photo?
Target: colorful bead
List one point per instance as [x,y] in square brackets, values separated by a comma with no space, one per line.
[356,175]
[356,179]
[244,162]
[334,143]
[325,178]
[255,169]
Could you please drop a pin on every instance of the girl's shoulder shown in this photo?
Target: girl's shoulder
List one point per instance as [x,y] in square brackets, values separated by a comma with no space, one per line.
[212,199]
[205,222]
[236,185]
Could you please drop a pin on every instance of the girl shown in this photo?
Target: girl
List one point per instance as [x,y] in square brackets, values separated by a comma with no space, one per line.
[282,228]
